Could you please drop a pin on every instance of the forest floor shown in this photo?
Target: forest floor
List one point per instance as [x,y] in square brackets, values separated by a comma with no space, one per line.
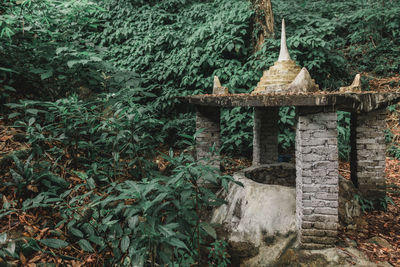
[377,232]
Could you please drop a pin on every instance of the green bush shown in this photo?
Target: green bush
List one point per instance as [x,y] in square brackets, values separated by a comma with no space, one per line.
[178,46]
[237,131]
[111,126]
[122,202]
[46,52]
[287,120]
[141,55]
[343,129]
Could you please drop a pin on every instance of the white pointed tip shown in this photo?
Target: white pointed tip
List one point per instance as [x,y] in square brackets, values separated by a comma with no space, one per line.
[217,83]
[357,80]
[218,88]
[354,87]
[284,53]
[303,83]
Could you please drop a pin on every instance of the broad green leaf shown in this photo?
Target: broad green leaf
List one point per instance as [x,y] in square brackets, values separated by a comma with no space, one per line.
[85,245]
[95,59]
[209,229]
[71,63]
[54,243]
[97,240]
[133,221]
[125,243]
[16,176]
[61,49]
[3,238]
[31,121]
[76,232]
[9,88]
[177,243]
[46,74]
[13,115]
[32,111]
[11,249]
[7,70]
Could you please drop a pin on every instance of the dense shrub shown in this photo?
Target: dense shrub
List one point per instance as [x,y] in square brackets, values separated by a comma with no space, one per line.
[91,165]
[44,48]
[178,46]
[92,160]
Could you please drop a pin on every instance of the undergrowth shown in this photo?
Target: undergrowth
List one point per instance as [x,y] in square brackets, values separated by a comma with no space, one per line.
[91,166]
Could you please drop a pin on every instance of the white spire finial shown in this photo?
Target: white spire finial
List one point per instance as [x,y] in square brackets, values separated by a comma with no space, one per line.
[217,83]
[284,53]
[218,89]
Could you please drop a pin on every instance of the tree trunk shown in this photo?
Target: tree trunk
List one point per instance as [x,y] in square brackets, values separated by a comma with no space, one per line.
[264,18]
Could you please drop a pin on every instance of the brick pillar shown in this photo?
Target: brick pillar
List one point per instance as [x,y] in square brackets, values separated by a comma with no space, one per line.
[209,119]
[317,181]
[370,154]
[265,135]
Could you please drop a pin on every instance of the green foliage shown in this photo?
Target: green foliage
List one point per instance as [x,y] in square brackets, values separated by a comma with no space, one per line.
[343,129]
[11,247]
[331,41]
[45,48]
[7,247]
[366,205]
[137,220]
[90,133]
[237,131]
[385,202]
[287,120]
[218,255]
[374,38]
[184,44]
[121,203]
[394,150]
[369,205]
[177,47]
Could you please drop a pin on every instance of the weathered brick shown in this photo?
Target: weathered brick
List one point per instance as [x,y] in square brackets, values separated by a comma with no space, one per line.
[326,196]
[328,211]
[314,246]
[308,211]
[319,240]
[320,225]
[368,161]
[317,232]
[317,178]
[320,203]
[320,218]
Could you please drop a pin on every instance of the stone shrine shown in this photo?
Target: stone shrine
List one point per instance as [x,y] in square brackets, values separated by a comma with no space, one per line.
[317,188]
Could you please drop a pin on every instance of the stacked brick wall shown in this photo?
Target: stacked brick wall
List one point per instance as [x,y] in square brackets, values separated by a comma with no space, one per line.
[208,118]
[370,154]
[317,185]
[265,135]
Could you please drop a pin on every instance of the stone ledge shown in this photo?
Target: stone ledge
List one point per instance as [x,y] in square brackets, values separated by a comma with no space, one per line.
[323,101]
